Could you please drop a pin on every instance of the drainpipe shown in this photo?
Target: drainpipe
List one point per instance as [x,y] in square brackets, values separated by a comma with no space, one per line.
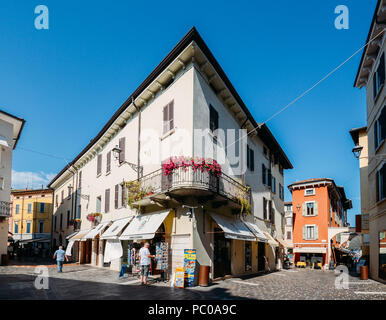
[52,218]
[139,137]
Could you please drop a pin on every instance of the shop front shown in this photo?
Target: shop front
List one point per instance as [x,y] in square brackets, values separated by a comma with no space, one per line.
[82,248]
[93,237]
[313,257]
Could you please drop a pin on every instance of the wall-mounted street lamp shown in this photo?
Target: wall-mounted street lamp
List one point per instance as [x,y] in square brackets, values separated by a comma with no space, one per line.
[117,151]
[298,207]
[357,151]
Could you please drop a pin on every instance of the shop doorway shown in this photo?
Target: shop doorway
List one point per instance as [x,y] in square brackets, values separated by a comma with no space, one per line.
[222,254]
[260,256]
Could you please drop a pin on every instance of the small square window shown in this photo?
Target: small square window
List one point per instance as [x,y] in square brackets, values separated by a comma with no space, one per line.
[309,192]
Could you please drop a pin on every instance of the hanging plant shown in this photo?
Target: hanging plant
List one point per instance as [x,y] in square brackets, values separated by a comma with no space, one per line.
[135,192]
[203,164]
[94,217]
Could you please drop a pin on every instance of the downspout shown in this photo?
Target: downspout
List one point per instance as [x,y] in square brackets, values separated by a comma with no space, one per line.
[52,217]
[139,139]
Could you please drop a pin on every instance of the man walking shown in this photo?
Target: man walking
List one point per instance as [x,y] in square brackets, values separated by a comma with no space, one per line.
[145,256]
[60,255]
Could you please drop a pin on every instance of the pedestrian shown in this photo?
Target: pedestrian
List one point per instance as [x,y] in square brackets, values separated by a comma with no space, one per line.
[145,256]
[60,254]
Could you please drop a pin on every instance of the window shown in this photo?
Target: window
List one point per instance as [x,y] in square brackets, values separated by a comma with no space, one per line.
[309,192]
[265,151]
[289,221]
[264,174]
[380,129]
[248,256]
[118,196]
[213,120]
[56,200]
[69,192]
[1,182]
[310,232]
[62,196]
[310,208]
[381,183]
[98,205]
[281,170]
[122,146]
[41,226]
[265,209]
[288,235]
[61,221]
[17,208]
[42,207]
[271,211]
[28,227]
[29,207]
[250,159]
[281,191]
[273,187]
[379,76]
[168,117]
[68,218]
[108,162]
[107,200]
[16,227]
[99,164]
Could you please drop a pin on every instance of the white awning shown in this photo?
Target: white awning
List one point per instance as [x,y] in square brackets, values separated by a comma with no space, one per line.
[113,250]
[233,228]
[71,235]
[285,244]
[113,231]
[69,247]
[80,235]
[271,240]
[256,231]
[96,231]
[310,250]
[144,226]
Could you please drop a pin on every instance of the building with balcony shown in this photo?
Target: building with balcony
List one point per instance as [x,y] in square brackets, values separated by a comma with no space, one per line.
[319,218]
[10,131]
[31,217]
[288,225]
[370,143]
[182,161]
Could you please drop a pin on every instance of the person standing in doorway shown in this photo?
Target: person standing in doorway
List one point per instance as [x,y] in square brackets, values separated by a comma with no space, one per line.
[60,254]
[145,256]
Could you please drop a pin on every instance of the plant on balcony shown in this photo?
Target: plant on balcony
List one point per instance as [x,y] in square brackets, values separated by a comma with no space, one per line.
[135,192]
[245,206]
[196,163]
[94,217]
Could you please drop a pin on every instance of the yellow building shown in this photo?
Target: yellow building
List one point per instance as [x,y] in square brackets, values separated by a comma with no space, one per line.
[31,216]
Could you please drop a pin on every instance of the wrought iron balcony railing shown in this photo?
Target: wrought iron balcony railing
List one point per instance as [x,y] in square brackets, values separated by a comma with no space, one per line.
[5,209]
[187,178]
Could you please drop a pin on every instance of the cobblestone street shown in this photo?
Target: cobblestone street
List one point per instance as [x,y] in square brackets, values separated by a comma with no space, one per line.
[84,282]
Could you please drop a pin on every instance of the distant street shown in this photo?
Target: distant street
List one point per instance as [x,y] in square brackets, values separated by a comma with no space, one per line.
[84,282]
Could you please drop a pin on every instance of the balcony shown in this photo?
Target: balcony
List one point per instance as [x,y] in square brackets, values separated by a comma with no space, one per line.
[5,209]
[185,182]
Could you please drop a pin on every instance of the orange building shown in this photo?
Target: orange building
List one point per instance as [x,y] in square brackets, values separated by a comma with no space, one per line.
[319,217]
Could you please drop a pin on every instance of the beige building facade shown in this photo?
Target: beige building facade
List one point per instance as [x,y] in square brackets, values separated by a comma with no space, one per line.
[10,131]
[371,75]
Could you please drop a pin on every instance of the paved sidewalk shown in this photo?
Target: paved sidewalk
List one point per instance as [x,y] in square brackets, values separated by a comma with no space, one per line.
[86,282]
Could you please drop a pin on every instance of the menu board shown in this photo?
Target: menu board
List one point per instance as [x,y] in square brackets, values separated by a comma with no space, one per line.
[179,278]
[161,255]
[190,257]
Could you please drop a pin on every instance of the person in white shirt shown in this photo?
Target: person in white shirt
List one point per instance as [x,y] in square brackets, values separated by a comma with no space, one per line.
[145,256]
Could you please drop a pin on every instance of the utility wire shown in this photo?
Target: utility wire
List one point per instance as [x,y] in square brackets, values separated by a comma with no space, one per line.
[308,90]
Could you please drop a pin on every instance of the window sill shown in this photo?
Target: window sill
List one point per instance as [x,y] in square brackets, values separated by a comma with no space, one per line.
[98,175]
[107,173]
[380,202]
[378,94]
[167,134]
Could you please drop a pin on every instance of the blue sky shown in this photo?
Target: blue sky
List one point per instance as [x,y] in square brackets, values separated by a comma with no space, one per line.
[67,81]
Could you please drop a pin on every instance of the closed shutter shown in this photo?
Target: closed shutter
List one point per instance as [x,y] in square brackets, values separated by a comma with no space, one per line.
[316,232]
[381,70]
[304,209]
[120,196]
[99,164]
[252,160]
[377,180]
[265,208]
[376,134]
[116,196]
[122,147]
[165,119]
[269,178]
[80,180]
[304,232]
[374,86]
[124,196]
[171,115]
[315,208]
[108,161]
[382,124]
[213,121]
[248,157]
[107,200]
[264,174]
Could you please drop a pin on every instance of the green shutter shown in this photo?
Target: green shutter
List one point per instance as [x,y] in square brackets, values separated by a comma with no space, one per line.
[315,208]
[304,209]
[304,232]
[316,232]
